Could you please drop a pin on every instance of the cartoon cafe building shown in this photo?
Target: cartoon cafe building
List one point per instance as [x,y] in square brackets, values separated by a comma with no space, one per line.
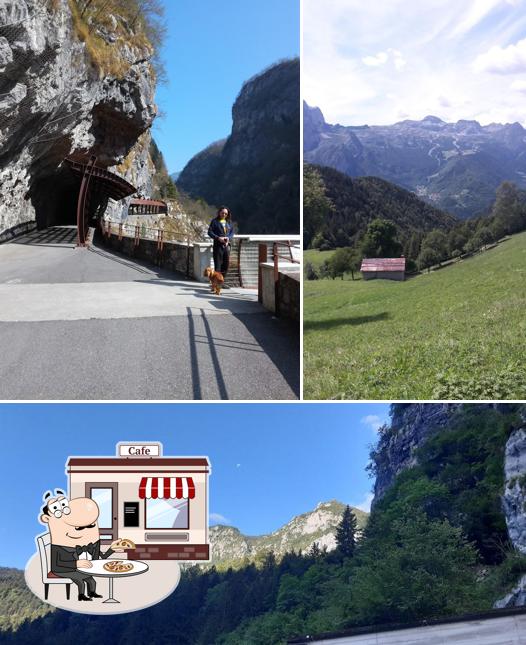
[161,503]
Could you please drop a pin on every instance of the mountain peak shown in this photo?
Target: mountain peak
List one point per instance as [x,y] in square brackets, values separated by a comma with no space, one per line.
[313,113]
[231,547]
[432,119]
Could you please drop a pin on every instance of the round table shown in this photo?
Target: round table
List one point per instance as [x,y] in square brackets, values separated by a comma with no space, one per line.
[97,569]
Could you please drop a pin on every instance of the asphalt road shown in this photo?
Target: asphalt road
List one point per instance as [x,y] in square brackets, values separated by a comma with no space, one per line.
[90,324]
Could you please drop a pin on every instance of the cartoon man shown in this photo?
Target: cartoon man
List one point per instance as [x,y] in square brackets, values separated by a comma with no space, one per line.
[75,541]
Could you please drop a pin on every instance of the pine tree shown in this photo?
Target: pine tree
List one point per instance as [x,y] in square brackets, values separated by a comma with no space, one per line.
[346,533]
[314,551]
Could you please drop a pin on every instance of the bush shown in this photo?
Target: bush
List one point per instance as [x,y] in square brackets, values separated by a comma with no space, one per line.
[310,272]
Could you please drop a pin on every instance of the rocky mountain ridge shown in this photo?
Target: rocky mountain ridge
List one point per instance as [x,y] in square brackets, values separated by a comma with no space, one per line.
[255,169]
[57,101]
[230,546]
[454,166]
[356,201]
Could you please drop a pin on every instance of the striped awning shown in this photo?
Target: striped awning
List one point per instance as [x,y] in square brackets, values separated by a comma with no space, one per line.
[167,488]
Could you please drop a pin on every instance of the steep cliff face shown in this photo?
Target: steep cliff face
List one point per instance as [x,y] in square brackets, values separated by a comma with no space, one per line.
[413,425]
[256,170]
[514,498]
[56,101]
[410,426]
[514,504]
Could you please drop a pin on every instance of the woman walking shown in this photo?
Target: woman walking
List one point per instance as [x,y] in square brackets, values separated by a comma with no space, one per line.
[222,232]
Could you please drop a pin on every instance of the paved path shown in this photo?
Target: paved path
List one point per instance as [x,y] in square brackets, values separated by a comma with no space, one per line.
[91,324]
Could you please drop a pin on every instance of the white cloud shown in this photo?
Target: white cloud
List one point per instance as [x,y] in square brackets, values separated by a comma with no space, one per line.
[374,61]
[365,504]
[477,11]
[373,421]
[363,65]
[503,60]
[217,518]
[519,86]
[382,58]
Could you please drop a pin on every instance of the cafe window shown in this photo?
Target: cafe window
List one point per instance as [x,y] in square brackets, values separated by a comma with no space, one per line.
[167,513]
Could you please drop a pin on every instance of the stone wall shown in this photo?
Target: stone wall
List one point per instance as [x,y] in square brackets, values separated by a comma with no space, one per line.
[289,290]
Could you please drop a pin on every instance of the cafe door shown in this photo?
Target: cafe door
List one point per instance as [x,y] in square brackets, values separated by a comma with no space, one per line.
[106,496]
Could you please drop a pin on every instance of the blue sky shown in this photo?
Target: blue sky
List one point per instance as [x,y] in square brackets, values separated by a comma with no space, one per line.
[378,63]
[211,49]
[269,461]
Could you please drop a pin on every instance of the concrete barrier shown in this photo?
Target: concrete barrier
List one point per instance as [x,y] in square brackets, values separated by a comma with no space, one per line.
[288,290]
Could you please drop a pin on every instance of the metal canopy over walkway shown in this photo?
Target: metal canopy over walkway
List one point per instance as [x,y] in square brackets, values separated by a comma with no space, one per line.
[97,186]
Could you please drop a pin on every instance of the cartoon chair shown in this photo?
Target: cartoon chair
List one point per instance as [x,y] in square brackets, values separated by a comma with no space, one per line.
[48,577]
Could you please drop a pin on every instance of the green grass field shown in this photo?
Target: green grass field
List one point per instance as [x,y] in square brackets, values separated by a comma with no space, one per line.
[457,333]
[315,257]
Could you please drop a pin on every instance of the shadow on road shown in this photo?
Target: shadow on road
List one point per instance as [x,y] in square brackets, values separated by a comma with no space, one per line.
[55,236]
[277,339]
[343,322]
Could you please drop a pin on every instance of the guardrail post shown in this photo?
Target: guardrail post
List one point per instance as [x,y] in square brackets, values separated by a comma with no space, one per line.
[262,257]
[120,231]
[275,257]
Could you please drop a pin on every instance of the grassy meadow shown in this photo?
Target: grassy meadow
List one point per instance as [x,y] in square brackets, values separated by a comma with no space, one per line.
[456,333]
[316,258]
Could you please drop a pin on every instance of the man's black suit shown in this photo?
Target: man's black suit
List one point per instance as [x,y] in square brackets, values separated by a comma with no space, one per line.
[64,563]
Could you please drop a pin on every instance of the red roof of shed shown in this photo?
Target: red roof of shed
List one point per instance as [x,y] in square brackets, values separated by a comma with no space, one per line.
[383,264]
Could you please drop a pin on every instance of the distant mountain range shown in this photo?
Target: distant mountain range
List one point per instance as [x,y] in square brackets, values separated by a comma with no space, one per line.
[454,166]
[255,171]
[231,547]
[357,201]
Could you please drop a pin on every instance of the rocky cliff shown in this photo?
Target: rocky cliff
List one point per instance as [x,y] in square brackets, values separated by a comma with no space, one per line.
[70,85]
[230,546]
[413,424]
[255,171]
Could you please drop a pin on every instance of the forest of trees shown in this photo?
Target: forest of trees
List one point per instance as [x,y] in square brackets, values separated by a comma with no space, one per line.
[435,545]
[369,235]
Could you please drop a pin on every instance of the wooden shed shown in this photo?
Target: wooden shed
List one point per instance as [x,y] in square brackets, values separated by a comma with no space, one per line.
[384,268]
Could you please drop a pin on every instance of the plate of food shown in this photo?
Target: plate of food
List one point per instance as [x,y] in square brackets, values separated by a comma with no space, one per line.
[122,543]
[118,566]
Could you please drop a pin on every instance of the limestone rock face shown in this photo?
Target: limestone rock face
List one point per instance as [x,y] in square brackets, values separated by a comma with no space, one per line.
[514,498]
[516,597]
[255,170]
[54,103]
[412,425]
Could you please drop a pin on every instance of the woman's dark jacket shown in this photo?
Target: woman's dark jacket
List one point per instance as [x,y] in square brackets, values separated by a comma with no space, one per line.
[215,230]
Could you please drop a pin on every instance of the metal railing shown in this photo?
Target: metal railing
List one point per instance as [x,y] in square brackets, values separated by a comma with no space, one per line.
[141,232]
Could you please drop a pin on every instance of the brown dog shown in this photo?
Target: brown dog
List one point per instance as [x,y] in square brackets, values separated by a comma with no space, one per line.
[216,279]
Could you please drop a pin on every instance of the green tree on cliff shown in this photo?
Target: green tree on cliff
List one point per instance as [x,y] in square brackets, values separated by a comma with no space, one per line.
[346,533]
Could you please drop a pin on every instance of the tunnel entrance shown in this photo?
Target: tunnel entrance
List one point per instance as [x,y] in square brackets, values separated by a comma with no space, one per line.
[55,199]
[77,193]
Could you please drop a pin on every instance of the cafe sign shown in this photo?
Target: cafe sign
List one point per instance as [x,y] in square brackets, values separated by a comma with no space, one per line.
[141,449]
